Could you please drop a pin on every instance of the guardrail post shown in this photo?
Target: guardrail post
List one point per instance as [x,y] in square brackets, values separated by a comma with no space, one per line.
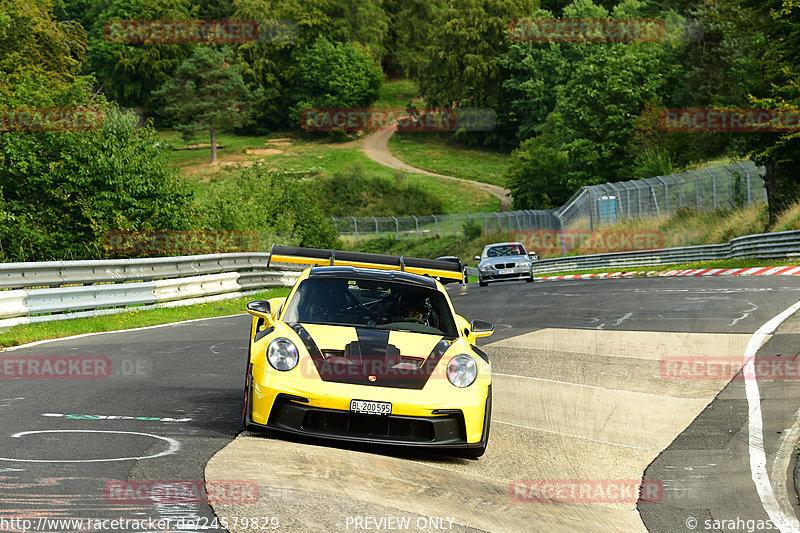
[396,227]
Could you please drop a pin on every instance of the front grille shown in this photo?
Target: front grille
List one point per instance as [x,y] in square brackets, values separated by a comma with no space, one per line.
[368,426]
[446,429]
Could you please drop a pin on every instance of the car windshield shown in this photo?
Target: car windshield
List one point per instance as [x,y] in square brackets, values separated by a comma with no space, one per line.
[506,249]
[373,304]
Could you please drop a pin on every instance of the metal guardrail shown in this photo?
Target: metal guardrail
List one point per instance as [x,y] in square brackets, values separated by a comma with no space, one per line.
[60,273]
[778,245]
[108,286]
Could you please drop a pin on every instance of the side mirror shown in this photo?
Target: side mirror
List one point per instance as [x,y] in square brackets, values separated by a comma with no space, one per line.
[477,258]
[481,328]
[259,308]
[534,256]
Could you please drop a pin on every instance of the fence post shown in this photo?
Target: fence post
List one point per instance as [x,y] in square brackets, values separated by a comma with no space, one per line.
[714,185]
[697,187]
[396,227]
[485,223]
[730,191]
[436,223]
[455,231]
[355,226]
[416,223]
[747,170]
[376,227]
[666,193]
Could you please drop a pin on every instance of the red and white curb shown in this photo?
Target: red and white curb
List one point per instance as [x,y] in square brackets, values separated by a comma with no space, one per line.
[756,271]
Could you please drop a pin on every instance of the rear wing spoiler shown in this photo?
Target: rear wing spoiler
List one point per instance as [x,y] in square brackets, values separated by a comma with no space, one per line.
[320,257]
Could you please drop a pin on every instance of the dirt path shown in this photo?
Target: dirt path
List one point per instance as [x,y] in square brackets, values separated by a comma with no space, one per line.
[376,147]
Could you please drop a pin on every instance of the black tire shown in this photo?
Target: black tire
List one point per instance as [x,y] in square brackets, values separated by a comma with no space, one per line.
[247,408]
[464,279]
[528,280]
[483,283]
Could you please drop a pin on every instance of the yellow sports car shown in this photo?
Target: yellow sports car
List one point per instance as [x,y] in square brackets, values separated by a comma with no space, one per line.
[368,348]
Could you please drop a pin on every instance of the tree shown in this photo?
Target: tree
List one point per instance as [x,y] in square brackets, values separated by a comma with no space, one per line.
[336,75]
[462,62]
[129,72]
[208,93]
[778,22]
[66,190]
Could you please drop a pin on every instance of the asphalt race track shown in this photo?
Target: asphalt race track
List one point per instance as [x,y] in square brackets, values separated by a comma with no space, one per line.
[591,396]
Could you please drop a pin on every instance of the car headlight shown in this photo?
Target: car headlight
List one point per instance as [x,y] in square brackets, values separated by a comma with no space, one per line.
[462,370]
[282,354]
[487,266]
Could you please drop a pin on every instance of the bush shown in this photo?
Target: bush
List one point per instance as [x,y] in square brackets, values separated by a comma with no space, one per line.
[350,192]
[280,207]
[471,230]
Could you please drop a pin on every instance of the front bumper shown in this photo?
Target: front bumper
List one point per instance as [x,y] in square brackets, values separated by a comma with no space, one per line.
[424,417]
[290,416]
[515,274]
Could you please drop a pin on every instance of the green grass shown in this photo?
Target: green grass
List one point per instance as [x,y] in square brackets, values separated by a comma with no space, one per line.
[297,153]
[134,317]
[437,152]
[397,93]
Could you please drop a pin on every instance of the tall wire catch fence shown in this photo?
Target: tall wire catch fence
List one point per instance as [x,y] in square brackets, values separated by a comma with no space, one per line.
[593,206]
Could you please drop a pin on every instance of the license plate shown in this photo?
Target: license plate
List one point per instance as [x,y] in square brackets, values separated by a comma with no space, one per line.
[370,408]
[506,271]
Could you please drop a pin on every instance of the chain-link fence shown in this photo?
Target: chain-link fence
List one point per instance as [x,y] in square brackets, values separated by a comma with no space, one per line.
[732,186]
[706,189]
[427,225]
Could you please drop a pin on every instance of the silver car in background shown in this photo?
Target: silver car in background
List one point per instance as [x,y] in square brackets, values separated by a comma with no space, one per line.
[505,261]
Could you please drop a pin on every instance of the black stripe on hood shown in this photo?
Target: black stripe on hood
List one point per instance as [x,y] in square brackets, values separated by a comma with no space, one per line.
[371,360]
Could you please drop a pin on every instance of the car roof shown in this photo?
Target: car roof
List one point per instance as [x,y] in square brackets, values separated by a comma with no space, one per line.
[373,274]
[502,244]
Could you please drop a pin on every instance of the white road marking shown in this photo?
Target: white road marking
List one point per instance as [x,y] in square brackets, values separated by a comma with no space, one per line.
[746,313]
[81,335]
[780,465]
[575,436]
[174,446]
[758,457]
[586,386]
